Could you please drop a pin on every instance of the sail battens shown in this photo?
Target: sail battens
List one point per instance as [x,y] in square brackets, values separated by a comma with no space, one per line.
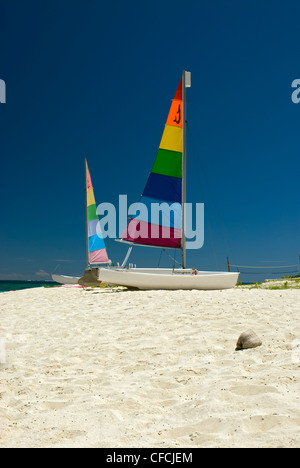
[96,245]
[162,226]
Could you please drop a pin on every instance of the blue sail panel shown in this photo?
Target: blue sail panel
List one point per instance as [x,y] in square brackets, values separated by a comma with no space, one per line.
[96,243]
[164,188]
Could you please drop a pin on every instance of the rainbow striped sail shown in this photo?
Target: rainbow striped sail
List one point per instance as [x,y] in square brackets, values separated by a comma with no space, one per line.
[96,251]
[164,186]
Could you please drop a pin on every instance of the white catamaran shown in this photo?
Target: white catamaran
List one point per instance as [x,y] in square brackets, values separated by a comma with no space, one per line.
[167,184]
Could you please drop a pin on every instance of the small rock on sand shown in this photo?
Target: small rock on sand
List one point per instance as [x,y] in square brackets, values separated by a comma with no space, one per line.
[247,340]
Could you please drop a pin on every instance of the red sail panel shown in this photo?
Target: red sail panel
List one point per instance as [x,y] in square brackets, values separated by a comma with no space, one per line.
[140,232]
[178,94]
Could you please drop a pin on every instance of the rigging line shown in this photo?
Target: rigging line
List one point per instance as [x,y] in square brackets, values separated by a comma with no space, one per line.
[161,252]
[171,257]
[174,261]
[127,257]
[56,268]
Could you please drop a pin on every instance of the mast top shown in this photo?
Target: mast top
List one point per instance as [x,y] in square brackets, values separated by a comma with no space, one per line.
[187,79]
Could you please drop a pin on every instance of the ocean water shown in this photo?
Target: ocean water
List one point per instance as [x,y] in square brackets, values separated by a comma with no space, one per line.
[17,285]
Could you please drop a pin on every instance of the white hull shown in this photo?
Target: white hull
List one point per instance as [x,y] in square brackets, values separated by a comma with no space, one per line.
[61,279]
[159,278]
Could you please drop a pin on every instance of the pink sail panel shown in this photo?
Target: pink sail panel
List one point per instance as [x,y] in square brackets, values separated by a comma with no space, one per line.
[144,233]
[89,185]
[98,256]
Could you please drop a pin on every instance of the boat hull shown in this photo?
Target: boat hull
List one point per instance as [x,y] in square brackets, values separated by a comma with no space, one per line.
[168,279]
[61,279]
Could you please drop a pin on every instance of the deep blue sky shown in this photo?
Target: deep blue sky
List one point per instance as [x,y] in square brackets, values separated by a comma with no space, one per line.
[95,79]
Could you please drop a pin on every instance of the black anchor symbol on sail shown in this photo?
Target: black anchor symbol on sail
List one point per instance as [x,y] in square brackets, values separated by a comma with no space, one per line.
[178,119]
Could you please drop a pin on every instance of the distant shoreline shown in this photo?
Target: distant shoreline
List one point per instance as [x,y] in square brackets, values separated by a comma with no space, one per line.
[283,283]
[16,285]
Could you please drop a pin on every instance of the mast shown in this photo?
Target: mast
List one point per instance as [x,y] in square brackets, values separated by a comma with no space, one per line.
[86,216]
[186,83]
[183,243]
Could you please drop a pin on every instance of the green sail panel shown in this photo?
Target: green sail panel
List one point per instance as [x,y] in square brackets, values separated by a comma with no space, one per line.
[168,163]
[92,213]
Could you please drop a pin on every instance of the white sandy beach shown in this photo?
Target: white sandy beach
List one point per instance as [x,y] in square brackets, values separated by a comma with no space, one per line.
[104,368]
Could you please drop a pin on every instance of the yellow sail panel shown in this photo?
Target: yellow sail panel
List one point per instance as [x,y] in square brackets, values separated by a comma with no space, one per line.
[91,198]
[172,139]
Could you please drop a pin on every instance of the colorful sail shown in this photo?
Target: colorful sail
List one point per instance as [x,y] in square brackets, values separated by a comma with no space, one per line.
[96,246]
[164,186]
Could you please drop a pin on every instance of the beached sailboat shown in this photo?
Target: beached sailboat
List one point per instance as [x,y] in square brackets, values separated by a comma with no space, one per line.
[166,184]
[64,279]
[95,246]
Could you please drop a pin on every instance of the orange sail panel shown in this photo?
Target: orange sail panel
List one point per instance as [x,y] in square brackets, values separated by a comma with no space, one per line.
[175,117]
